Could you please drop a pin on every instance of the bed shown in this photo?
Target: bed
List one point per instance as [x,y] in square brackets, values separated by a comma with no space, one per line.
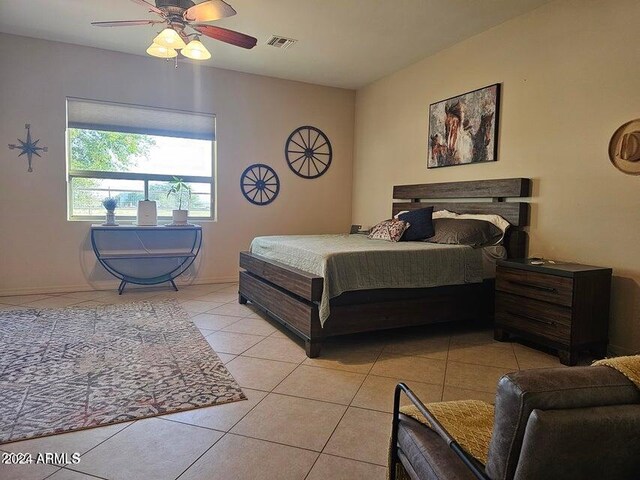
[285,276]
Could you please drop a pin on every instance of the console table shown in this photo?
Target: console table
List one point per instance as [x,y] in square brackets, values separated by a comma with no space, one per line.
[146,255]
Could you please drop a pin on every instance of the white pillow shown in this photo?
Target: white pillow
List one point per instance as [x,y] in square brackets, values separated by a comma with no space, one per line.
[444,214]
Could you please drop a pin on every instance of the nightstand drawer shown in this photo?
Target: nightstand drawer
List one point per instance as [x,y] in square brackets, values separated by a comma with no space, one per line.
[535,317]
[549,288]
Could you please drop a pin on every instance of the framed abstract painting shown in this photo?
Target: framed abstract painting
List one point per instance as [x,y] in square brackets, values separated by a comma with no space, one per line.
[464,129]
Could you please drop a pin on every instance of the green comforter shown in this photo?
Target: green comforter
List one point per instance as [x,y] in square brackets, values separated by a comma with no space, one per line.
[354,262]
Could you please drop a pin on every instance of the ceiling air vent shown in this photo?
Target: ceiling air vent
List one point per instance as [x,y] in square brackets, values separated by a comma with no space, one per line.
[280,42]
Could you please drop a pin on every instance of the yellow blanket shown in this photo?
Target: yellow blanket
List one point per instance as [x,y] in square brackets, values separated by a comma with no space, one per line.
[628,366]
[469,422]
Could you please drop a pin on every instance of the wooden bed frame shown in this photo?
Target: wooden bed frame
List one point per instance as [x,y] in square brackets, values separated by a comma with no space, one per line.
[291,296]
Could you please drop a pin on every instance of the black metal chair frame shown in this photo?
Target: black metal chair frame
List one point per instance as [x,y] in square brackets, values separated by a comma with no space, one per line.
[471,463]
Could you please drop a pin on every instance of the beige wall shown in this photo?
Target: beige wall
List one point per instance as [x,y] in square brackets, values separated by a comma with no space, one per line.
[41,251]
[570,73]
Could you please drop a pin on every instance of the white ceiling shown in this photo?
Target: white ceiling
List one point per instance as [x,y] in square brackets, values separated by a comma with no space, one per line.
[343,43]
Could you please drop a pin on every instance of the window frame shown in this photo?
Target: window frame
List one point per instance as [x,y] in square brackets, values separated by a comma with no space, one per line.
[146,178]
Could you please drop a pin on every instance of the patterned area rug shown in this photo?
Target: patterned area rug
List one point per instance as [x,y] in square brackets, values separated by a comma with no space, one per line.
[74,368]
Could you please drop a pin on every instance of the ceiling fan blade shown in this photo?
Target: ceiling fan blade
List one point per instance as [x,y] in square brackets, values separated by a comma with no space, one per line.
[125,23]
[150,6]
[209,11]
[228,36]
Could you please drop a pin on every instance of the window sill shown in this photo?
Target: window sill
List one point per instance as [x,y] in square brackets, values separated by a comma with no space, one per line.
[132,221]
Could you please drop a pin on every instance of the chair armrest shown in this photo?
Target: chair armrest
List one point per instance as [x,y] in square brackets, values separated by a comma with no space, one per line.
[579,443]
[521,392]
[569,387]
[436,426]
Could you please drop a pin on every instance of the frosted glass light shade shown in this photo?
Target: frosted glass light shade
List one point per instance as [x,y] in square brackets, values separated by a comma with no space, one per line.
[195,50]
[159,51]
[169,38]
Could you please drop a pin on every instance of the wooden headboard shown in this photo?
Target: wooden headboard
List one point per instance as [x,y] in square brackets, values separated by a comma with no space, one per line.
[478,193]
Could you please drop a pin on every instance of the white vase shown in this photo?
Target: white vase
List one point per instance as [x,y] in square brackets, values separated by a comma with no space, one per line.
[111,218]
[180,217]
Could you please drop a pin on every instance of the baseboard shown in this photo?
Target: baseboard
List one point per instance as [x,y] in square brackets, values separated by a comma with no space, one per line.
[9,292]
[85,287]
[212,280]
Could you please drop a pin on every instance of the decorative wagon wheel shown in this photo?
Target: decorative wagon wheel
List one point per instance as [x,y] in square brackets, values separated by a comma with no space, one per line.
[260,184]
[308,152]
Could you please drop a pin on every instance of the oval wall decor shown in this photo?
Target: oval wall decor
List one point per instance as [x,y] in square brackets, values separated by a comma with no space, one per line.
[260,184]
[624,148]
[308,152]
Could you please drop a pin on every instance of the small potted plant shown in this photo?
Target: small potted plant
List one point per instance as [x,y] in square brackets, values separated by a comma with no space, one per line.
[180,189]
[110,205]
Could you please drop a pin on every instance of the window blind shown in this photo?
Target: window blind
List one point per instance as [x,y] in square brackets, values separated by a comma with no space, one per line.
[120,117]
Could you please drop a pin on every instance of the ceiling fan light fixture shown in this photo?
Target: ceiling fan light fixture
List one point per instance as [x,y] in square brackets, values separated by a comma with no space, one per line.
[169,38]
[195,50]
[161,51]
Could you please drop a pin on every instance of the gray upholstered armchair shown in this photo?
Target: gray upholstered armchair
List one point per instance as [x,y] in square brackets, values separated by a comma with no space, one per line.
[565,423]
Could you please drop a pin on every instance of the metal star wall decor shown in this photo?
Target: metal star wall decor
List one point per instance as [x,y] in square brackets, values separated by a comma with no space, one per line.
[29,147]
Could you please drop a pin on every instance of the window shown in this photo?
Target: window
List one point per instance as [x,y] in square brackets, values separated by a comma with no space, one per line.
[133,153]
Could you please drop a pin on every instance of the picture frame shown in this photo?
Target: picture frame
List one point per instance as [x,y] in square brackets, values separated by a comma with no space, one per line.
[464,129]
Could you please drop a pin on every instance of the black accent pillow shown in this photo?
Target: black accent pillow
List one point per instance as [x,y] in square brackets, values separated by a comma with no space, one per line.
[421,224]
[475,233]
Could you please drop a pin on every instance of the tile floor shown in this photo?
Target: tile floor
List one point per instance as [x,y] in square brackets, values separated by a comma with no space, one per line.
[313,419]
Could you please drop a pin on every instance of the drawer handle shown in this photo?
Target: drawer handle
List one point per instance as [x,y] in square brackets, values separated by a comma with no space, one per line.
[534,286]
[528,317]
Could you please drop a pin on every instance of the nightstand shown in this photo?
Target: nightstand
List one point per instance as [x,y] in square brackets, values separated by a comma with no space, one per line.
[564,306]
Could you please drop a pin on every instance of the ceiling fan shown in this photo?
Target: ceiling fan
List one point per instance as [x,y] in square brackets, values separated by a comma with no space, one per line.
[179,15]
